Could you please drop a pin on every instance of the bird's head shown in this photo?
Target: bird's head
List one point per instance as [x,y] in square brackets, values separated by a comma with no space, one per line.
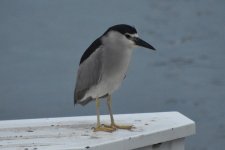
[124,35]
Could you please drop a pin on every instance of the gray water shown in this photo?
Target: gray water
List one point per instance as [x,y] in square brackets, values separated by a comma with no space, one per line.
[42,41]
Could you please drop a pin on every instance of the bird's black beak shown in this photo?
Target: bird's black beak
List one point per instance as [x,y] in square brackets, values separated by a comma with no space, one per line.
[142,43]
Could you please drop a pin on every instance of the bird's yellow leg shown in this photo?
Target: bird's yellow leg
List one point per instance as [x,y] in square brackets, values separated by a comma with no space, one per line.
[113,124]
[99,127]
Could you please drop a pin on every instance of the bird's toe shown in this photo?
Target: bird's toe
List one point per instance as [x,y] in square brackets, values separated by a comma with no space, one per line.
[103,128]
[116,126]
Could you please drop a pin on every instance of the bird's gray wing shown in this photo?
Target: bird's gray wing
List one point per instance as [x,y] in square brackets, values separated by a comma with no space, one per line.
[89,74]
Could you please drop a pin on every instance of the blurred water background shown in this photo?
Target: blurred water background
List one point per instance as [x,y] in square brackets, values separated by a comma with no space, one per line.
[42,41]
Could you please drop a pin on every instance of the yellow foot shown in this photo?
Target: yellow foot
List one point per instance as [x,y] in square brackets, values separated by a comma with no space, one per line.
[115,126]
[103,128]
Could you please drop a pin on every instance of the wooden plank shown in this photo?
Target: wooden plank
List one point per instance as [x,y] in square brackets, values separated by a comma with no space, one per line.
[75,132]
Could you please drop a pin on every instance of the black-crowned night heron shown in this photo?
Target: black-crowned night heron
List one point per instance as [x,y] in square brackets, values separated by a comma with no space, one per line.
[103,67]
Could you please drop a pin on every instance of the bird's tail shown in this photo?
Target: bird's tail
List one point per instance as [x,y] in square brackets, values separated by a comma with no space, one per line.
[78,98]
[74,98]
[86,101]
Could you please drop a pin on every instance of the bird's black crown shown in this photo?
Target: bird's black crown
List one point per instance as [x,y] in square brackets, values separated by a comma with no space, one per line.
[122,28]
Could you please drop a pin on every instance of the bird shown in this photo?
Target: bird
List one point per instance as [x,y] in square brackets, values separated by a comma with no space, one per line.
[103,67]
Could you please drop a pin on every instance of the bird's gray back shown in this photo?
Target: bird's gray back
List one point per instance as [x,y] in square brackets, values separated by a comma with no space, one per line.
[88,75]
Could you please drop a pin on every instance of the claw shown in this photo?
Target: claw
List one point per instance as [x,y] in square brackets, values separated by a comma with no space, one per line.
[103,128]
[115,126]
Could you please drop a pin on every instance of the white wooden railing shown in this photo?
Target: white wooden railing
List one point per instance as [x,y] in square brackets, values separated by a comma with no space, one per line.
[153,131]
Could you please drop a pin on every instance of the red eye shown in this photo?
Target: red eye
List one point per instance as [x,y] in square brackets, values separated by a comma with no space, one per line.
[128,36]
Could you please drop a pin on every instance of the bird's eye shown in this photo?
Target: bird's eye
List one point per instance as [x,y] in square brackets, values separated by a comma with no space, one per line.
[128,36]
